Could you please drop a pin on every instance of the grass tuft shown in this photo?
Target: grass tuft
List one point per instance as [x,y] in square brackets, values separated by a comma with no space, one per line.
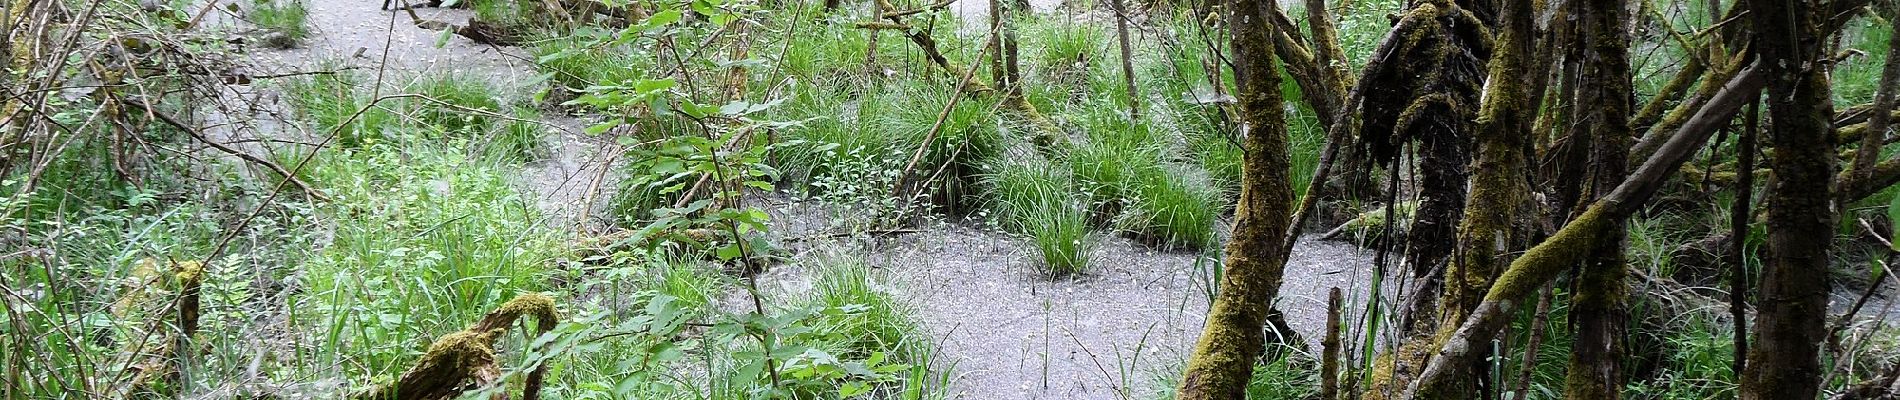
[287,21]
[1035,199]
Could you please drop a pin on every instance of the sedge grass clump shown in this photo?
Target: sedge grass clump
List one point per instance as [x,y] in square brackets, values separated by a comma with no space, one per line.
[866,318]
[427,238]
[968,135]
[467,107]
[288,21]
[333,105]
[1103,172]
[1065,48]
[692,285]
[1036,199]
[457,104]
[1856,79]
[1170,208]
[579,61]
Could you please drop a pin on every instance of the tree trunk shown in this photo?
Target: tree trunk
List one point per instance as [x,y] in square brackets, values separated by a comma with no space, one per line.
[1234,336]
[1598,308]
[1544,262]
[1784,362]
[1128,61]
[1739,217]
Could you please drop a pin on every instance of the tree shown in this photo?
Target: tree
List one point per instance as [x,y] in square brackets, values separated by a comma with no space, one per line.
[1784,360]
[1604,107]
[1234,336]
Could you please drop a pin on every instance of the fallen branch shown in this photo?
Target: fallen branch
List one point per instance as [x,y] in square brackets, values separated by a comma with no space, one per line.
[936,128]
[932,7]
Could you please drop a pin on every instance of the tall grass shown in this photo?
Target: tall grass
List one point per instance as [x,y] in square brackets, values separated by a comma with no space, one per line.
[426,240]
[1856,79]
[1035,199]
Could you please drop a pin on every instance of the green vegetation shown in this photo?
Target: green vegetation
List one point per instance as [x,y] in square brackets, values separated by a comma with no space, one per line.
[413,216]
[286,21]
[1035,200]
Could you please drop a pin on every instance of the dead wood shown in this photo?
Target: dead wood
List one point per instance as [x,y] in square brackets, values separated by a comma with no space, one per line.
[465,360]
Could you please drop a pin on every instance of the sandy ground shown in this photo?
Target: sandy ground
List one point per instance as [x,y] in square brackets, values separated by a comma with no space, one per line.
[1004,331]
[1008,332]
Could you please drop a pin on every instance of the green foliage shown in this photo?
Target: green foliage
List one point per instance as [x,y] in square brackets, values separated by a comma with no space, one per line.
[874,321]
[333,106]
[286,20]
[1064,48]
[1856,78]
[1282,378]
[856,156]
[425,241]
[1034,199]
[438,107]
[585,59]
[1172,209]
[456,104]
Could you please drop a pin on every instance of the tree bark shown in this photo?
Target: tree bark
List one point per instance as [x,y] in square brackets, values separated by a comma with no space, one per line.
[1739,217]
[1128,59]
[1598,308]
[1784,362]
[1234,335]
[1544,262]
[1877,121]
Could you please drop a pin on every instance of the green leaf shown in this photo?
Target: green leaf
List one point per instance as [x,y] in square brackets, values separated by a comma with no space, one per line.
[603,127]
[853,389]
[658,20]
[728,252]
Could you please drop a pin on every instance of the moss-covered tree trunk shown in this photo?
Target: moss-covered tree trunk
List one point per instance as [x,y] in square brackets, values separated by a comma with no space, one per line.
[1784,361]
[1234,338]
[1597,310]
[1498,182]
[1497,188]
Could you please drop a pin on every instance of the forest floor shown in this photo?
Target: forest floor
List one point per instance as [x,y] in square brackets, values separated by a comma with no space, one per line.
[1003,331]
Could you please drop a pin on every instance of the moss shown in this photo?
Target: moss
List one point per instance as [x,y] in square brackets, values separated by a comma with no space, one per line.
[1234,337]
[456,362]
[1542,263]
[465,359]
[188,276]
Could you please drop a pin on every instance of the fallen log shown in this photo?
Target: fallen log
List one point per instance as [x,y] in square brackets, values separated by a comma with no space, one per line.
[465,360]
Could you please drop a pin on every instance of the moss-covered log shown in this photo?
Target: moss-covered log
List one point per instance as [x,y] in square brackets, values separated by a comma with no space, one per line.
[1498,179]
[1427,93]
[1234,338]
[1678,85]
[1542,263]
[1484,233]
[465,360]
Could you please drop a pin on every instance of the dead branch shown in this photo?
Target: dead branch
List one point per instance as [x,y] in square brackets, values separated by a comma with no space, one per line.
[247,157]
